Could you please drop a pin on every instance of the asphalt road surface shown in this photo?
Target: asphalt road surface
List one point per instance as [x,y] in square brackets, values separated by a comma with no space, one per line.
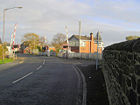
[41,81]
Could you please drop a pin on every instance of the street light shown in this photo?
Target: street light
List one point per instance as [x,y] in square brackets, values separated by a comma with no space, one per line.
[4,19]
[4,10]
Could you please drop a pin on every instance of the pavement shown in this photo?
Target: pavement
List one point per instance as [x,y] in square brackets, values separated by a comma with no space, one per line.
[42,80]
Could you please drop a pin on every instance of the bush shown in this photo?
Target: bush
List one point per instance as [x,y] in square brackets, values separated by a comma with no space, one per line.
[1,50]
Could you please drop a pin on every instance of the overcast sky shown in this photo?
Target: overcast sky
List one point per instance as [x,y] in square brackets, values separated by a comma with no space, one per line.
[116,19]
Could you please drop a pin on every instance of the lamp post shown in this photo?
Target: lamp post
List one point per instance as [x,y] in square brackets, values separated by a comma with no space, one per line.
[3,36]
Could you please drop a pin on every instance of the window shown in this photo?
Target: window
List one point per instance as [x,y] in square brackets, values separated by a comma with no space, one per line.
[82,43]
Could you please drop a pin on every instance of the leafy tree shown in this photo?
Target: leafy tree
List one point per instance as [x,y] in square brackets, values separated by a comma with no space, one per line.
[132,37]
[1,51]
[58,41]
[31,40]
[3,47]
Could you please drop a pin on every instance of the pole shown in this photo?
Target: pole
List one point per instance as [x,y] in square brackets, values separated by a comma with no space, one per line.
[66,29]
[89,49]
[11,45]
[14,37]
[79,35]
[3,34]
[97,50]
[3,24]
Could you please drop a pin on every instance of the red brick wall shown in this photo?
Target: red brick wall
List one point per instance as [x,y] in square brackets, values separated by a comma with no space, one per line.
[90,47]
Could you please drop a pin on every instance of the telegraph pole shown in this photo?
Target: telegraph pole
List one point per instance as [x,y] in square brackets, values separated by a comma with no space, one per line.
[66,29]
[97,49]
[3,34]
[79,35]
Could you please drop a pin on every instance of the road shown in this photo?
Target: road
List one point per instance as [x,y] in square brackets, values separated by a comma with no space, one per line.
[41,81]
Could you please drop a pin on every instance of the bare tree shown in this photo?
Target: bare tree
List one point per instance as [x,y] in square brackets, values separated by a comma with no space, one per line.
[58,41]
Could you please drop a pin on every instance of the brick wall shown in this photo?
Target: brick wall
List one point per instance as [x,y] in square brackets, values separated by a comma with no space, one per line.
[121,69]
[90,47]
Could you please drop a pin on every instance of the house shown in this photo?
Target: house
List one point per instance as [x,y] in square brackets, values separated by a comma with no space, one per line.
[84,45]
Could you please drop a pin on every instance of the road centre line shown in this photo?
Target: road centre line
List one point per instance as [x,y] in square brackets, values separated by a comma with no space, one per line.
[44,62]
[39,67]
[22,78]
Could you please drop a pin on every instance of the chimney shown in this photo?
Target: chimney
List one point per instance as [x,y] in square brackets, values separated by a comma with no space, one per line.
[91,36]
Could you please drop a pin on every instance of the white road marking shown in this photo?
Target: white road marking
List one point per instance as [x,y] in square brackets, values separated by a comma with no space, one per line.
[22,77]
[44,62]
[80,74]
[39,67]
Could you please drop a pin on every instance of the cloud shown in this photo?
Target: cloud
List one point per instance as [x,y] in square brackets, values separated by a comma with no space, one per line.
[124,10]
[115,18]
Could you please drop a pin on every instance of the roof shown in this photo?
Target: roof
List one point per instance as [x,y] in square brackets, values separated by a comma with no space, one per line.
[81,37]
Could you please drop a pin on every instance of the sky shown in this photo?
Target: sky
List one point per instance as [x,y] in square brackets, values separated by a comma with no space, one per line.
[115,19]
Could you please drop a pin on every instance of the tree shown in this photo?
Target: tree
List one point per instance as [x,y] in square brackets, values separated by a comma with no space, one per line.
[42,43]
[43,40]
[132,37]
[31,40]
[3,47]
[58,41]
[0,41]
[1,51]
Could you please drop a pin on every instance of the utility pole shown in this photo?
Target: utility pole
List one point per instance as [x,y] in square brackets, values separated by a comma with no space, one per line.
[3,34]
[97,49]
[79,35]
[66,29]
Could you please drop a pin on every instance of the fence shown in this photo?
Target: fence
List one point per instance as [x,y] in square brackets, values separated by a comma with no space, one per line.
[80,55]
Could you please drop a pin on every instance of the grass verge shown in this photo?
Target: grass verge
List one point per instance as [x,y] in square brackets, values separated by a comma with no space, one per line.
[6,60]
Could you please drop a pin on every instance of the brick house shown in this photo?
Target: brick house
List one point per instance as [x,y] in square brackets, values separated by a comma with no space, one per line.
[87,44]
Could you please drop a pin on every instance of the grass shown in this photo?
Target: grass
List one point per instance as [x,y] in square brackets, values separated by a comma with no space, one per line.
[6,60]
